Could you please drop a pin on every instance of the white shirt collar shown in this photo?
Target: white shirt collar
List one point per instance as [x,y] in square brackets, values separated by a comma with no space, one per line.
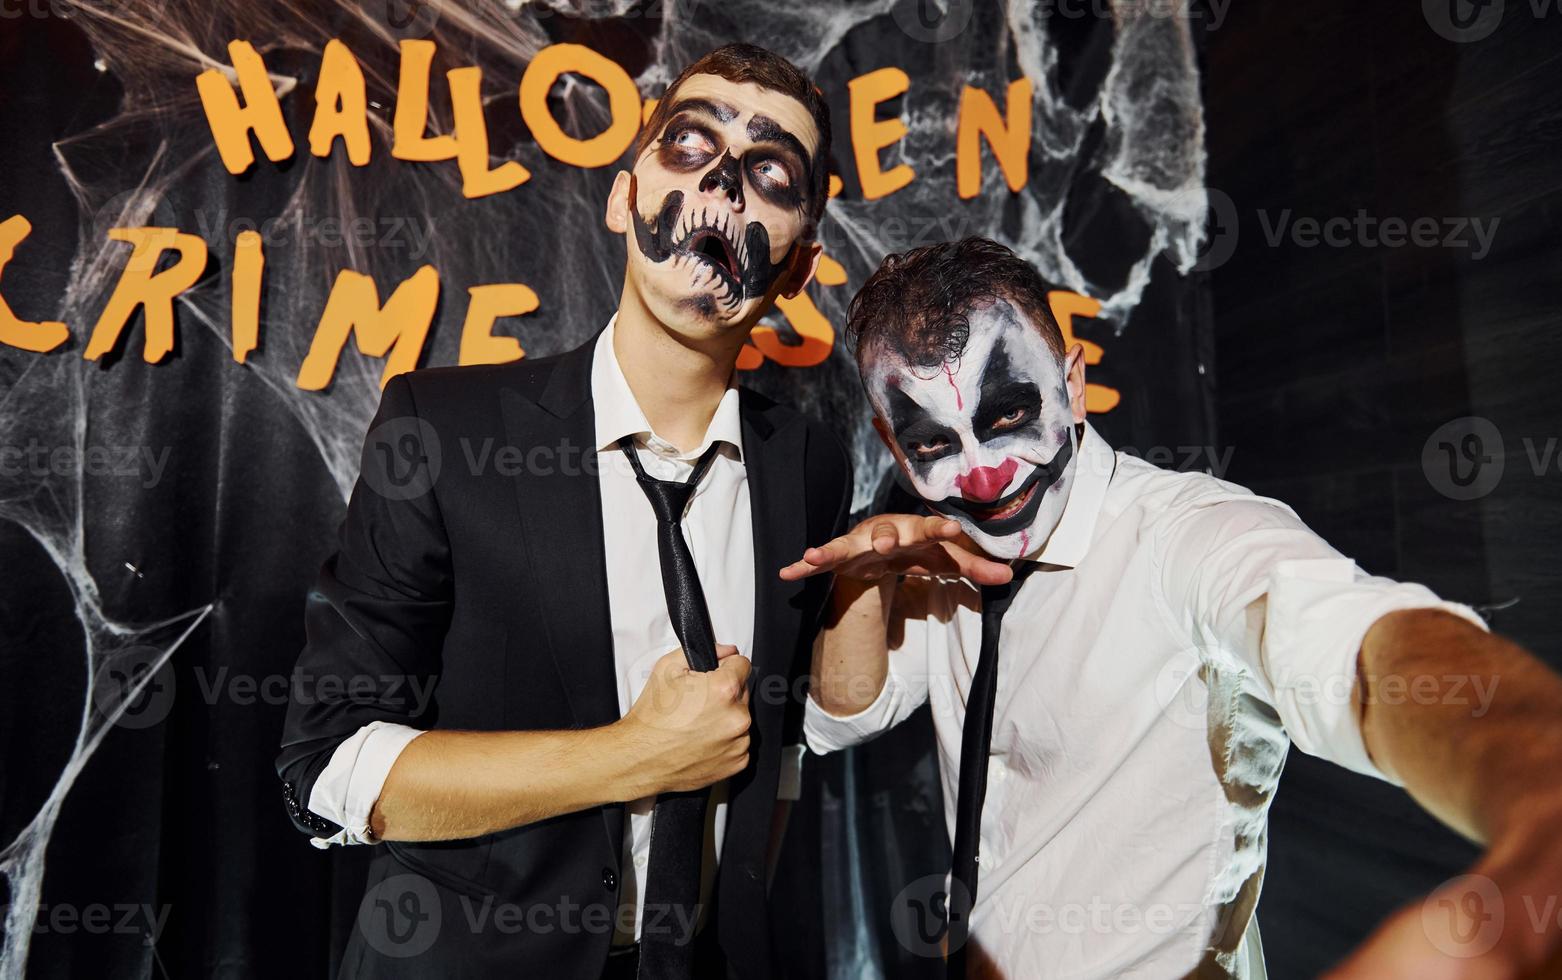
[1069,542]
[619,415]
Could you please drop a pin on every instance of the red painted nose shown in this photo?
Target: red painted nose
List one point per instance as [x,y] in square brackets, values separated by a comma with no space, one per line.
[985,484]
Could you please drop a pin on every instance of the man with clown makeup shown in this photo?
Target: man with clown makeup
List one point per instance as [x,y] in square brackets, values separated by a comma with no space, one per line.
[1117,658]
[529,691]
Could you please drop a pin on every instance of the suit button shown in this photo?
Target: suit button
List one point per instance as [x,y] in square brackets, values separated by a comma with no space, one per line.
[609,879]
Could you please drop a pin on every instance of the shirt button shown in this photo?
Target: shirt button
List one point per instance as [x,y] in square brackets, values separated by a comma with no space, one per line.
[640,860]
[609,879]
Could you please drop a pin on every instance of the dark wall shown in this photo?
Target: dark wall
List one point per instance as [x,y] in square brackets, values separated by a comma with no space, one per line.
[1337,365]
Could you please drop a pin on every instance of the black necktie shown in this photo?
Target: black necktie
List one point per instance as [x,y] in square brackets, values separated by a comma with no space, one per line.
[672,881]
[975,746]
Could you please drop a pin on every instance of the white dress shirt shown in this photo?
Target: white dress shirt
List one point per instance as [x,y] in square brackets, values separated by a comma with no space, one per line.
[1179,633]
[720,534]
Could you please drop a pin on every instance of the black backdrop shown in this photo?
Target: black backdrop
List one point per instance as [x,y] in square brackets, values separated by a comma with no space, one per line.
[174,814]
[183,585]
[1337,366]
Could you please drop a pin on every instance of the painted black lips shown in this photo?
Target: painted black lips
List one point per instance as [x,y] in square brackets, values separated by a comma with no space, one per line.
[712,246]
[1041,478]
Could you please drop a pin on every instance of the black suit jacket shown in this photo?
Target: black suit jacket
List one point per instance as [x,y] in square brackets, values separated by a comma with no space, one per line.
[478,571]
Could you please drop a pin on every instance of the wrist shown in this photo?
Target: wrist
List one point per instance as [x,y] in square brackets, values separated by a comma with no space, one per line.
[631,751]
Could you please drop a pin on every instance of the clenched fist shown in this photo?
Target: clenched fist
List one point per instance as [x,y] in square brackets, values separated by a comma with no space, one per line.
[692,726]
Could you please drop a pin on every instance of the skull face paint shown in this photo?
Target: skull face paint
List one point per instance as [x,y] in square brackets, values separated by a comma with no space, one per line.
[705,243]
[981,426]
[716,195]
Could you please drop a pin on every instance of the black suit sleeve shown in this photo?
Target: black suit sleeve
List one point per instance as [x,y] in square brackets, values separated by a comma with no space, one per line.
[376,618]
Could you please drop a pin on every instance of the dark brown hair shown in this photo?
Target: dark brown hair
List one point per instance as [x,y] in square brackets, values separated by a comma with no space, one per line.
[741,63]
[918,301]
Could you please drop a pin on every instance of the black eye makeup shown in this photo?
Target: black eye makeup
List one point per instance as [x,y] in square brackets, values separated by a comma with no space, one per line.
[1007,402]
[1009,408]
[686,145]
[775,166]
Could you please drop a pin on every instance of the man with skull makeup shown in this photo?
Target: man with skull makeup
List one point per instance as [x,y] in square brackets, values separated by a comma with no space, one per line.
[1117,657]
[591,627]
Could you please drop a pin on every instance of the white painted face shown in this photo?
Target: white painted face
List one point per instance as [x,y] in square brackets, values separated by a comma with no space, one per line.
[985,436]
[718,200]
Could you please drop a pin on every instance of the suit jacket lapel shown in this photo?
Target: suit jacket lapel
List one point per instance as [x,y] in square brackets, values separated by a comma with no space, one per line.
[561,514]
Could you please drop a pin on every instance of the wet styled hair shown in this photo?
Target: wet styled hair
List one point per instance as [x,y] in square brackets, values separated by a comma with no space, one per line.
[918,301]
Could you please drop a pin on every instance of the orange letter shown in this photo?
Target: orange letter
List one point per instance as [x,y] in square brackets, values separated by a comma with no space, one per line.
[871,134]
[341,107]
[1010,140]
[1065,306]
[818,336]
[623,101]
[353,309]
[38,337]
[466,98]
[140,284]
[249,263]
[478,344]
[232,123]
[411,117]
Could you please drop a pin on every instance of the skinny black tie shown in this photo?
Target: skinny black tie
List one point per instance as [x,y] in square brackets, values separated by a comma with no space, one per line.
[975,746]
[672,881]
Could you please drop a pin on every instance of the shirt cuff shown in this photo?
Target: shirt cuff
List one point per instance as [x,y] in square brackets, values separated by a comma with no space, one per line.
[1318,613]
[350,784]
[825,732]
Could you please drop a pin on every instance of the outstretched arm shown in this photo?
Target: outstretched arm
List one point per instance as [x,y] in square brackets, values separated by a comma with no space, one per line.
[1471,724]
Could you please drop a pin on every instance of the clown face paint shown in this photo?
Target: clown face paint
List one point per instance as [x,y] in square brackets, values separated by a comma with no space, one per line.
[719,199]
[984,434]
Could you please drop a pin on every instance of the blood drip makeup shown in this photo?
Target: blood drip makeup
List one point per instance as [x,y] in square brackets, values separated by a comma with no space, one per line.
[981,425]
